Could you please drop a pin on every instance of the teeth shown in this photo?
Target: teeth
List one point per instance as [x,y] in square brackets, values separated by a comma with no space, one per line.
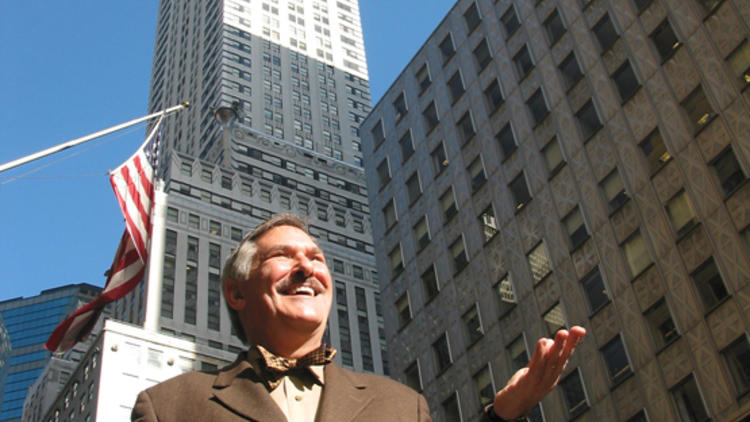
[304,290]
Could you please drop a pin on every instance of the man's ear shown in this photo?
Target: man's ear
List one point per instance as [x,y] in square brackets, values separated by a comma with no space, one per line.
[233,294]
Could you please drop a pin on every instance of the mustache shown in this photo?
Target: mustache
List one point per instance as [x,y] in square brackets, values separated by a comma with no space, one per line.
[299,278]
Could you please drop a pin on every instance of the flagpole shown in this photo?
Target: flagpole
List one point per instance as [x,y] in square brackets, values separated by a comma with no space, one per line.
[156,258]
[87,138]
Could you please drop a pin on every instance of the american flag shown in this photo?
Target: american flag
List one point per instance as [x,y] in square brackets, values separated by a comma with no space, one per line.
[132,182]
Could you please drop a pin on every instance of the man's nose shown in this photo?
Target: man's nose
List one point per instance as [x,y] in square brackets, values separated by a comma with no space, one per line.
[305,264]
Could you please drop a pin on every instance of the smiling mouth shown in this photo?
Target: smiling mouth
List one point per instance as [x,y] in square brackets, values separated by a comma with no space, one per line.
[300,291]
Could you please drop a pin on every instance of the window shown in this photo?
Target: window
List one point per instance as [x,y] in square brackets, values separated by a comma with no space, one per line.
[494,95]
[636,253]
[430,283]
[554,27]
[472,18]
[728,171]
[595,290]
[451,409]
[465,127]
[570,71]
[655,151]
[172,214]
[688,400]
[488,223]
[523,62]
[442,353]
[206,176]
[553,157]
[460,260]
[539,262]
[520,191]
[413,190]
[413,377]
[194,222]
[575,397]
[627,83]
[430,117]
[476,171]
[399,106]
[588,120]
[378,136]
[482,54]
[448,205]
[397,262]
[506,140]
[506,297]
[737,357]
[407,146]
[660,324]
[518,356]
[641,5]
[698,109]
[214,227]
[739,62]
[456,86]
[614,191]
[389,214]
[384,173]
[510,21]
[439,158]
[554,320]
[422,233]
[709,283]
[708,5]
[236,234]
[575,228]
[447,49]
[617,360]
[681,213]
[538,106]
[605,32]
[423,77]
[473,325]
[404,310]
[665,40]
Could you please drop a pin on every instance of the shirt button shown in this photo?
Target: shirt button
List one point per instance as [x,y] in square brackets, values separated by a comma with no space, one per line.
[298,398]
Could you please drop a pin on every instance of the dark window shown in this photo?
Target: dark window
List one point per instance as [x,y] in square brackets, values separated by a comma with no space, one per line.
[605,32]
[698,109]
[663,330]
[450,408]
[456,86]
[638,417]
[458,252]
[384,173]
[485,389]
[520,191]
[447,49]
[680,213]
[739,62]
[407,146]
[412,376]
[494,95]
[588,119]
[616,359]
[403,309]
[728,170]
[397,261]
[554,27]
[506,140]
[471,16]
[430,117]
[688,400]
[476,172]
[553,157]
[439,158]
[399,106]
[596,292]
[737,357]
[488,223]
[413,189]
[442,353]
[510,21]
[518,356]
[538,106]
[423,77]
[614,190]
[378,136]
[466,127]
[575,228]
[641,5]
[709,283]
[430,283]
[554,320]
[655,151]
[627,83]
[473,325]
[482,54]
[389,214]
[448,205]
[665,40]
[708,5]
[422,233]
[570,71]
[523,62]
[575,397]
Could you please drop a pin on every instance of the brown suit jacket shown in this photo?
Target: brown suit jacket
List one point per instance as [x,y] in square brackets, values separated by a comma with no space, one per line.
[235,393]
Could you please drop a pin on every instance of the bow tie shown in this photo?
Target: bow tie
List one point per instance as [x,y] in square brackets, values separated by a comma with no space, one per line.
[275,368]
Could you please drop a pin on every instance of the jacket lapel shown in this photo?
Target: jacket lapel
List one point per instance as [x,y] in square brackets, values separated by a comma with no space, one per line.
[344,395]
[240,390]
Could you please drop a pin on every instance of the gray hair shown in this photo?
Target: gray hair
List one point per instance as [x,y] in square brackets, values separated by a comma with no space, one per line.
[240,261]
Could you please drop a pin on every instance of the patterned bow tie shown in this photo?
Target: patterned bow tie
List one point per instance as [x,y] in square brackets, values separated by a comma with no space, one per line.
[275,368]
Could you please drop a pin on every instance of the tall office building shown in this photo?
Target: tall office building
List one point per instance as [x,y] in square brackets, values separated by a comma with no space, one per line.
[540,164]
[29,322]
[277,93]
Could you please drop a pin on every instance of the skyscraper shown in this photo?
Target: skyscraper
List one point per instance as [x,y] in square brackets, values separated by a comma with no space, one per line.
[29,322]
[557,162]
[278,91]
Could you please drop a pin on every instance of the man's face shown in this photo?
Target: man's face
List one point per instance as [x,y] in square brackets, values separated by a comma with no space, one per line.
[289,290]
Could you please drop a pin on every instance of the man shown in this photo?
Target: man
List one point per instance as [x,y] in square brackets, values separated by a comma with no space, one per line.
[278,290]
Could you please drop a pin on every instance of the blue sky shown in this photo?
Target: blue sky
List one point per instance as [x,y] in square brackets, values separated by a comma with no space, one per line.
[75,67]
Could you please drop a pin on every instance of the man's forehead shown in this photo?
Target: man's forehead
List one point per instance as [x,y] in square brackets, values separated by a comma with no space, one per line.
[285,236]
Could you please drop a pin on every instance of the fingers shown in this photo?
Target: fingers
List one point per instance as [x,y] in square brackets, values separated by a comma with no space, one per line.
[571,341]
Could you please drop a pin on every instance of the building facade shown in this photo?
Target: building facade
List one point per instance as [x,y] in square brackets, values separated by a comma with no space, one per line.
[29,323]
[544,164]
